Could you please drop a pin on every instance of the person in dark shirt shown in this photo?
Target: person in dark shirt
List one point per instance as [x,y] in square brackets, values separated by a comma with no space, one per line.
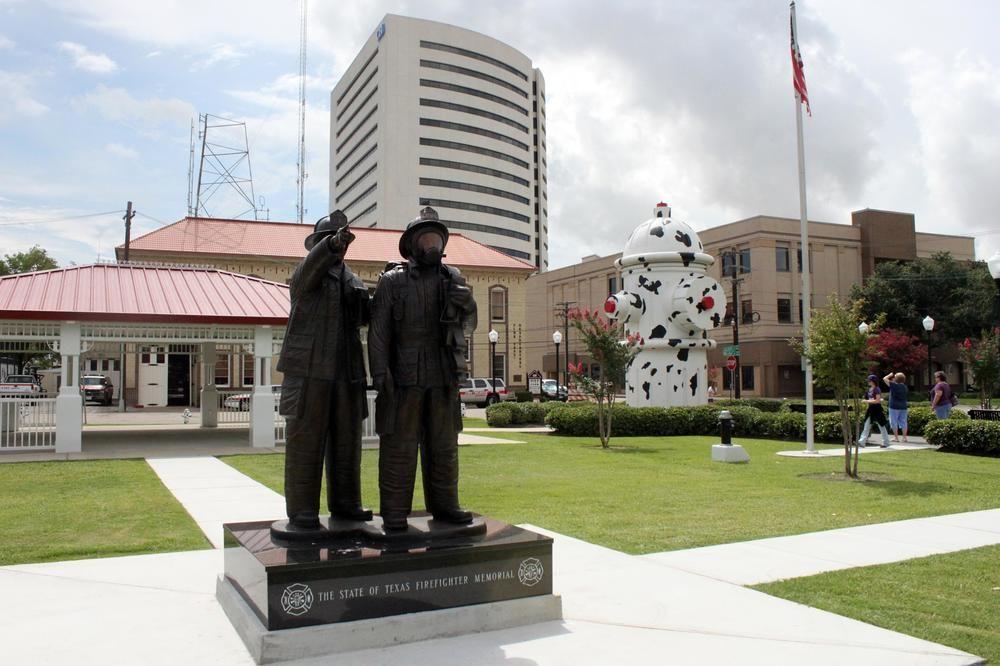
[898,404]
[874,414]
[941,396]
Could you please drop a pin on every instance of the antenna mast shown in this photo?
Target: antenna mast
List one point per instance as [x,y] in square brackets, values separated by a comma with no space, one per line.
[301,181]
[191,210]
[224,171]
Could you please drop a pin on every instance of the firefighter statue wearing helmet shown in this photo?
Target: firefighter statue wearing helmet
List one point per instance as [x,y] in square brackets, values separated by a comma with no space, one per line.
[323,392]
[421,314]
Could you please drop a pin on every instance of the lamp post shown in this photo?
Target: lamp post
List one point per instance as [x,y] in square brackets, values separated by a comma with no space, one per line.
[929,326]
[994,265]
[494,337]
[557,339]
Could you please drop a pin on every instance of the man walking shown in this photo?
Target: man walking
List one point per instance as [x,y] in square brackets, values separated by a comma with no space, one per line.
[323,392]
[421,314]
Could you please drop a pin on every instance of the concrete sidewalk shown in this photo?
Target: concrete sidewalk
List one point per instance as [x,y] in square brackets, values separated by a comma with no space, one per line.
[161,609]
[767,560]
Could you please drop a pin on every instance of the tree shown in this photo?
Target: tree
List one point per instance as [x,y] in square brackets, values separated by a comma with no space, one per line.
[893,350]
[35,259]
[957,294]
[983,357]
[840,358]
[611,350]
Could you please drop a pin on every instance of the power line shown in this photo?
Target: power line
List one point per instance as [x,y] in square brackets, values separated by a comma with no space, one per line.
[61,219]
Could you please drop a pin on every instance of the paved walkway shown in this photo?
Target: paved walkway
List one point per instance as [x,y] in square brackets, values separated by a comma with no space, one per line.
[215,493]
[915,444]
[766,560]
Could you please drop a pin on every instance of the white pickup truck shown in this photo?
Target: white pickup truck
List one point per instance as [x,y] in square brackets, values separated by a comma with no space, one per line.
[20,386]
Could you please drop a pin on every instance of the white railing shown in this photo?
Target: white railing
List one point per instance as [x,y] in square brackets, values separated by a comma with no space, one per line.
[27,423]
[368,434]
[234,405]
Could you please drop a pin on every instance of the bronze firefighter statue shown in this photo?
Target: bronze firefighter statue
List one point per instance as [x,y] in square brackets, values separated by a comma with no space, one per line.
[422,312]
[323,392]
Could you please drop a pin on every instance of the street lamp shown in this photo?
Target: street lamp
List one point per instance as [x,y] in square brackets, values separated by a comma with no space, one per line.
[494,337]
[557,338]
[929,326]
[994,265]
[863,328]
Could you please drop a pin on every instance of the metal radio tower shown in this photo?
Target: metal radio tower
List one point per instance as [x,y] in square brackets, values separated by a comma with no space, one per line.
[225,179]
[301,178]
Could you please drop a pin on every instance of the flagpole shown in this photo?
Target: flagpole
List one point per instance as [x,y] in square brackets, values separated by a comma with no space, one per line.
[806,293]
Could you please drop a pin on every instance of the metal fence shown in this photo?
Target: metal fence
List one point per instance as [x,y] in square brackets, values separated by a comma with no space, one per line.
[234,406]
[368,434]
[27,423]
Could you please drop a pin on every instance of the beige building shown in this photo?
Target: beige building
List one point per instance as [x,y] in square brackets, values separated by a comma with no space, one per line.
[271,250]
[768,255]
[432,114]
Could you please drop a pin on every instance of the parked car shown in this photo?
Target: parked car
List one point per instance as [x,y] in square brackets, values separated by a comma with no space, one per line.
[21,386]
[241,401]
[479,390]
[98,388]
[552,390]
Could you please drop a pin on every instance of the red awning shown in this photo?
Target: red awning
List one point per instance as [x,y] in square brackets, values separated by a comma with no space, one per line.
[141,294]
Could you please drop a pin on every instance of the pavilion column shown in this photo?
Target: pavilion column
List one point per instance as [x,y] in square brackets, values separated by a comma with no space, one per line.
[209,394]
[262,401]
[69,403]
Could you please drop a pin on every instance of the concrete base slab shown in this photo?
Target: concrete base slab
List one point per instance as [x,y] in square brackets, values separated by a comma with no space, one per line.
[466,439]
[273,646]
[838,451]
[729,453]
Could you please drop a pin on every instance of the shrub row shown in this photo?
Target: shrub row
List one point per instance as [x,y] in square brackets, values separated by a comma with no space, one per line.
[505,414]
[976,437]
[581,420]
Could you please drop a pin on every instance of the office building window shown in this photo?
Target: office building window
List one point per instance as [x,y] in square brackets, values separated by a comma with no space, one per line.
[222,370]
[746,374]
[781,259]
[746,312]
[728,264]
[613,285]
[798,257]
[784,310]
[498,304]
[500,367]
[745,260]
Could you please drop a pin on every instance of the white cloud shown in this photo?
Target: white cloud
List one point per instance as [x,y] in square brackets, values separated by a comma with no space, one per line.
[6,44]
[17,89]
[119,104]
[220,53]
[87,60]
[118,150]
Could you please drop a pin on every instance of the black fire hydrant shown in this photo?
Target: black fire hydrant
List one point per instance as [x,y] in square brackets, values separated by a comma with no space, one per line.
[726,427]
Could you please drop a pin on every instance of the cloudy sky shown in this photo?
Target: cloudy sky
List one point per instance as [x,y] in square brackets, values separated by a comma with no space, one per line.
[690,102]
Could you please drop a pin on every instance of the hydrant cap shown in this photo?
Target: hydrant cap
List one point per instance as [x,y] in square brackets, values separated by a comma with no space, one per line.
[724,415]
[662,234]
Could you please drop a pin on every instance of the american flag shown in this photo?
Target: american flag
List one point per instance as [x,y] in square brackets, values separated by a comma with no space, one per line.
[798,76]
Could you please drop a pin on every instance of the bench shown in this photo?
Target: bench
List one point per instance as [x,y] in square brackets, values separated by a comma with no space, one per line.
[985,414]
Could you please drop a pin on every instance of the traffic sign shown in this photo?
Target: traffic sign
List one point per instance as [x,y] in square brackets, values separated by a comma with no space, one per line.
[731,363]
[731,350]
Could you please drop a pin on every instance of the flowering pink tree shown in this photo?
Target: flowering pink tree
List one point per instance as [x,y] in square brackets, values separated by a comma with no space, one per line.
[612,350]
[982,356]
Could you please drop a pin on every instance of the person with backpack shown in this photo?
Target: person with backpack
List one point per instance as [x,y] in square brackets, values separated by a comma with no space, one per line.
[942,397]
[874,414]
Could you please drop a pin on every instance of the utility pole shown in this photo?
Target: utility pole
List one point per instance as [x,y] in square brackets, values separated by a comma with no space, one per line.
[564,306]
[737,379]
[129,214]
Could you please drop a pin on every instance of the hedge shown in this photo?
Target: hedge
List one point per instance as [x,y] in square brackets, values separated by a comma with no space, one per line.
[520,413]
[975,437]
[581,420]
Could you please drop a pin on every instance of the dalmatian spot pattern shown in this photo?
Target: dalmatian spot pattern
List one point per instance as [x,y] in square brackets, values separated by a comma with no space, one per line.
[646,364]
[645,388]
[650,286]
[682,355]
[659,331]
[686,258]
[673,342]
[682,237]
[694,385]
[656,230]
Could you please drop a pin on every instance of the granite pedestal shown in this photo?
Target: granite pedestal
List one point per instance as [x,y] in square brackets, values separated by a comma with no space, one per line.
[356,590]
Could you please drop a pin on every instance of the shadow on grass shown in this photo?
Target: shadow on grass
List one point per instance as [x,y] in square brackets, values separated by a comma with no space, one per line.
[627,449]
[914,488]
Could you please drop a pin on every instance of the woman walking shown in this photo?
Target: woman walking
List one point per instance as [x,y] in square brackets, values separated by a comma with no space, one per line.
[898,404]
[874,414]
[942,398]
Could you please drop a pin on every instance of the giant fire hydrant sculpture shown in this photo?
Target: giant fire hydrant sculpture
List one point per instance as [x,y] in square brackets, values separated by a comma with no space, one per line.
[670,301]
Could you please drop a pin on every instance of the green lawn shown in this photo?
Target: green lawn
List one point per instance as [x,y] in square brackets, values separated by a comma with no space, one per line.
[952,599]
[474,422]
[75,510]
[663,493]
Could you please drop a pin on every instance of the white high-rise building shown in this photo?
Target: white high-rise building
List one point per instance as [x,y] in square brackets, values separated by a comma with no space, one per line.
[432,114]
